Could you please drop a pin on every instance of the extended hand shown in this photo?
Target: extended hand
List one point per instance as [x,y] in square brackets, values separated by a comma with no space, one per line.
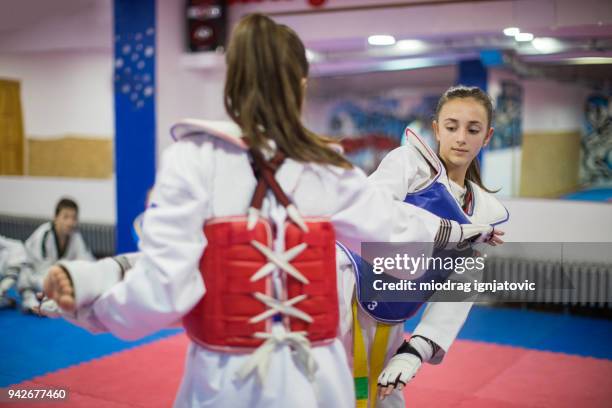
[478,234]
[495,238]
[400,369]
[58,287]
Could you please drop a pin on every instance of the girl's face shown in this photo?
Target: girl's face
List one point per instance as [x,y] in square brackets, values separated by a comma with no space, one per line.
[461,131]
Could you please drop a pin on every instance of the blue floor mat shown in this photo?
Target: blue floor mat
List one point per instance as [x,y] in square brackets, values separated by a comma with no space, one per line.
[32,346]
[594,194]
[536,330]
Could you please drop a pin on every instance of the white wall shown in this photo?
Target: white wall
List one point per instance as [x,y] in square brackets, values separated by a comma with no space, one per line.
[37,196]
[548,221]
[423,20]
[35,26]
[551,106]
[64,64]
[66,76]
[544,220]
[64,91]
[182,91]
[501,170]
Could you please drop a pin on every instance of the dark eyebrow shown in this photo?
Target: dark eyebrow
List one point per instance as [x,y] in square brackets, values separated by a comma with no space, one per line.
[450,119]
[474,122]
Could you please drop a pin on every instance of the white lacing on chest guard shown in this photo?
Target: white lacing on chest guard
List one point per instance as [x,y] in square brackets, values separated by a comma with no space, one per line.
[279,337]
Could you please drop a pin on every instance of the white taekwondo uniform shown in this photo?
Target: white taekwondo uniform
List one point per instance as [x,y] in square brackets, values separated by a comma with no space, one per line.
[405,171]
[207,175]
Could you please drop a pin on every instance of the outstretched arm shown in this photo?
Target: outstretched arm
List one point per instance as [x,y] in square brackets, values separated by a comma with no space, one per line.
[165,283]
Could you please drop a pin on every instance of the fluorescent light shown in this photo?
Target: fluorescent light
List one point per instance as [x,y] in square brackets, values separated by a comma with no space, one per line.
[589,60]
[410,45]
[511,31]
[413,63]
[381,40]
[310,55]
[547,45]
[333,68]
[523,37]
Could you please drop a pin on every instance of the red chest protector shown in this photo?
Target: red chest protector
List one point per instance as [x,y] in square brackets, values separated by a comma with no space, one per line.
[223,317]
[238,266]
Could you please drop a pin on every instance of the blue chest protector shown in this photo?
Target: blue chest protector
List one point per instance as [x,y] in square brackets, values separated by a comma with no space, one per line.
[437,200]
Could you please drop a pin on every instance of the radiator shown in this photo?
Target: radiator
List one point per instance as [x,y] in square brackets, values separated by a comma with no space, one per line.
[592,282]
[100,238]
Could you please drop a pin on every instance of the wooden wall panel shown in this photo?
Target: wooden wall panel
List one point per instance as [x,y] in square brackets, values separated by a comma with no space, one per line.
[71,156]
[549,164]
[11,129]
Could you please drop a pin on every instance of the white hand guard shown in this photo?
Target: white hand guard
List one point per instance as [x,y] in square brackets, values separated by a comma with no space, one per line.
[476,233]
[127,261]
[453,235]
[400,369]
[405,364]
[91,279]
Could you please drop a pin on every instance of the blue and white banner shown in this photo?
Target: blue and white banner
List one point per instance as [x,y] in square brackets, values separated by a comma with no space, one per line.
[134,81]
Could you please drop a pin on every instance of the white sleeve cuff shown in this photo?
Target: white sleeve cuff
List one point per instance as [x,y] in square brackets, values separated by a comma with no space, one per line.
[86,319]
[432,333]
[425,350]
[128,260]
[91,279]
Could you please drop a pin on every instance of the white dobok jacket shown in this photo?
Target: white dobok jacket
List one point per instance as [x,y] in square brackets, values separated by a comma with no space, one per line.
[207,174]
